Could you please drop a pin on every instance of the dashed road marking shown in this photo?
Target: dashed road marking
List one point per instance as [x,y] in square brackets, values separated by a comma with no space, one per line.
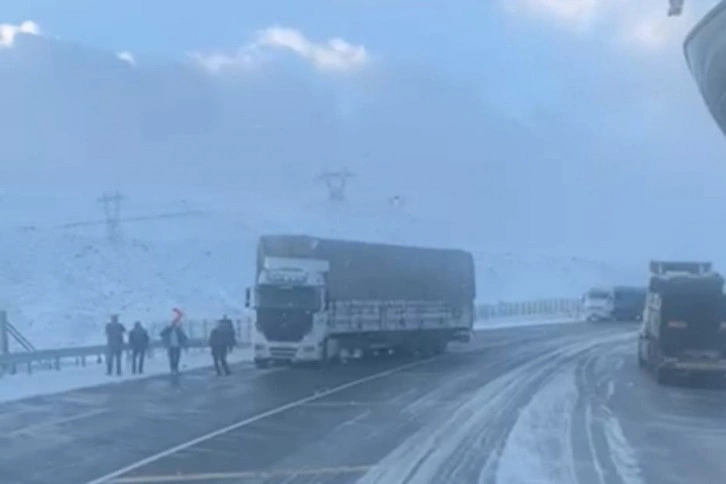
[223,476]
[243,423]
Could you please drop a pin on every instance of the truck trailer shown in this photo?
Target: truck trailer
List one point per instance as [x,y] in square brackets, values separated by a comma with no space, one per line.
[318,300]
[683,329]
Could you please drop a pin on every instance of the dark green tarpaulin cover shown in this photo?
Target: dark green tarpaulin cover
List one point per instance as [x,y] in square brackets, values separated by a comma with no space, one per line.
[365,271]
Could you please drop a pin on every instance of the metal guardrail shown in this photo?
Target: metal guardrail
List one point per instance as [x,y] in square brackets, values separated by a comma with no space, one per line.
[56,358]
[53,359]
[198,332]
[542,307]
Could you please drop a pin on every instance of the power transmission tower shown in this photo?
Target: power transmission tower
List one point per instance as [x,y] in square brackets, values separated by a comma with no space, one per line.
[336,182]
[111,203]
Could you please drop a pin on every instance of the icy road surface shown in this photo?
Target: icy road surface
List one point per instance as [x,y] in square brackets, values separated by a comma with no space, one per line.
[538,404]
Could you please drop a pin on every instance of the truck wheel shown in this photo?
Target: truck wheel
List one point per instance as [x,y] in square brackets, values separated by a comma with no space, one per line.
[260,363]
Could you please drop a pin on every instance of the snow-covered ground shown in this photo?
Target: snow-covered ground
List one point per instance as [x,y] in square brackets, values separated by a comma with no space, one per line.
[62,278]
[22,385]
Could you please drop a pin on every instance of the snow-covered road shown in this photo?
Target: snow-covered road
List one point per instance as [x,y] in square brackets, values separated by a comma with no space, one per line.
[531,405]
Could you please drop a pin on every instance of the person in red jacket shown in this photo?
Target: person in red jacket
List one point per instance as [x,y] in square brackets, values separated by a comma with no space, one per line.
[174,339]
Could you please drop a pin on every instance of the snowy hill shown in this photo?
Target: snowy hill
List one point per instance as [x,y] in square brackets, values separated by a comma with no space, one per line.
[60,283]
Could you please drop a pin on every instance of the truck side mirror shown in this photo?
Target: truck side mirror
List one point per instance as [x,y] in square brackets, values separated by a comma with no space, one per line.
[248,297]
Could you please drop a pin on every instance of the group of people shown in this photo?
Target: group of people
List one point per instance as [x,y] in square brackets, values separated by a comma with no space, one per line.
[222,339]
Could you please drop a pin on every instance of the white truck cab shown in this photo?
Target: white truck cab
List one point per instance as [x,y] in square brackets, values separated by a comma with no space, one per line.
[597,304]
[290,302]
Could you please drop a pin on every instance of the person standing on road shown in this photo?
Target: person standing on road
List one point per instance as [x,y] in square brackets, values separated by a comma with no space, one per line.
[228,328]
[139,342]
[114,344]
[174,339]
[220,341]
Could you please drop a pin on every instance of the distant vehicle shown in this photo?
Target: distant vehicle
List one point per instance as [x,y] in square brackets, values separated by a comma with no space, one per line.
[682,329]
[628,303]
[597,304]
[317,300]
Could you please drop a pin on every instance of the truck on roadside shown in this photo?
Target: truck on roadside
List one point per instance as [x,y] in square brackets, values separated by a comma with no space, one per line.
[628,303]
[317,300]
[683,329]
[597,304]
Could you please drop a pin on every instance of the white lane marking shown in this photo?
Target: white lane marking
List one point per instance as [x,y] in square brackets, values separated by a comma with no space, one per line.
[253,419]
[53,423]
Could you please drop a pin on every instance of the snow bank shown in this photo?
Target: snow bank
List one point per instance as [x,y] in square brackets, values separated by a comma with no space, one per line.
[539,448]
[16,387]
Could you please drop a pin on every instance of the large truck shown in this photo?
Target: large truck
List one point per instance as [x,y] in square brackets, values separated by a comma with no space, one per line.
[597,304]
[318,300]
[628,303]
[683,329]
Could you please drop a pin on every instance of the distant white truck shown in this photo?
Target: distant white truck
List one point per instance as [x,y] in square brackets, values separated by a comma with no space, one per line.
[317,300]
[598,304]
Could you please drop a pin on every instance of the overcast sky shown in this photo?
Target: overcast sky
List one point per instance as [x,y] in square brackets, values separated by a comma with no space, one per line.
[552,123]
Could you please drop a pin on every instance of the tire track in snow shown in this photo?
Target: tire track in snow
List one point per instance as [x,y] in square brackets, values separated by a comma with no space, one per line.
[607,458]
[469,439]
[538,448]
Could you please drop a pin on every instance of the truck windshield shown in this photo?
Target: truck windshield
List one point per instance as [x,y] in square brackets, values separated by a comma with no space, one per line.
[598,295]
[287,297]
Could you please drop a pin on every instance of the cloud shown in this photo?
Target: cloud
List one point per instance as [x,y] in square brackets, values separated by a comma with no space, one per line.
[607,153]
[8,32]
[126,56]
[644,24]
[332,55]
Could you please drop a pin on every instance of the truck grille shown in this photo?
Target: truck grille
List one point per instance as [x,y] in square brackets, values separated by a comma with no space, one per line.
[282,353]
[289,325]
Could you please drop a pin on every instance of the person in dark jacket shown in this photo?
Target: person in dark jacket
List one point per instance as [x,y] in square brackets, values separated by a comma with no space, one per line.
[174,339]
[219,342]
[228,327]
[139,343]
[114,344]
